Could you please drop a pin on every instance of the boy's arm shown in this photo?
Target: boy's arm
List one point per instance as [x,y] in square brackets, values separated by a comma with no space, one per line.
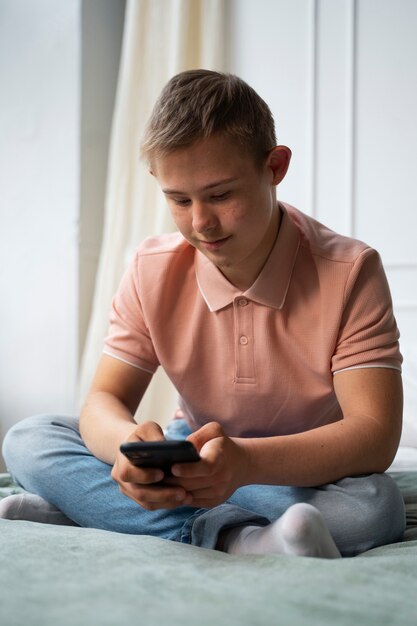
[107,416]
[364,442]
[107,420]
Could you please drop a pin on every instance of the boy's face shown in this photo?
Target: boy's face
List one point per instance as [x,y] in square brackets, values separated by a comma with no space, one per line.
[223,204]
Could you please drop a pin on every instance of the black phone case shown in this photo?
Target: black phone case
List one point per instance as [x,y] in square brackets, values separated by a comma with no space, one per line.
[160,454]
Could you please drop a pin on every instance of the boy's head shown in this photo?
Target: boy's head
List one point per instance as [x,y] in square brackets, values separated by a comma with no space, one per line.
[200,103]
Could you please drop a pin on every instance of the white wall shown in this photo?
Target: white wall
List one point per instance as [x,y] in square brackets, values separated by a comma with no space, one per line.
[58,76]
[340,76]
[341,79]
[101,36]
[39,189]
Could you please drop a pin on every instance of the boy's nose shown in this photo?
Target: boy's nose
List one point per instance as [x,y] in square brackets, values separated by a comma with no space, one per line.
[204,218]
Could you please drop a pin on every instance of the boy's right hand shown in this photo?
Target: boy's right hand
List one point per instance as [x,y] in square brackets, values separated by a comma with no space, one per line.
[141,485]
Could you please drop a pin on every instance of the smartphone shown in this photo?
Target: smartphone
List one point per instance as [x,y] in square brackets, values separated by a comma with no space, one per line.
[160,454]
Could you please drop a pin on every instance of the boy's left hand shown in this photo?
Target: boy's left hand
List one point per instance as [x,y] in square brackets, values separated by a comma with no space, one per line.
[222,469]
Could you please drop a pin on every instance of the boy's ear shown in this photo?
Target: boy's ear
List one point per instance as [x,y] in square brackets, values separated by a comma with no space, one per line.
[278,161]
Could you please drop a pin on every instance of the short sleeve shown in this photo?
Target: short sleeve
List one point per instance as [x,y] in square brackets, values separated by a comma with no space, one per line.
[368,335]
[128,337]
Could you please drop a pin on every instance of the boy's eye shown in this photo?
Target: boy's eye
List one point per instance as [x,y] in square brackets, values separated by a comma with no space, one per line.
[181,201]
[221,196]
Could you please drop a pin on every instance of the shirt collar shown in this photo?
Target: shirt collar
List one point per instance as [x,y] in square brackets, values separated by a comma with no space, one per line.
[271,286]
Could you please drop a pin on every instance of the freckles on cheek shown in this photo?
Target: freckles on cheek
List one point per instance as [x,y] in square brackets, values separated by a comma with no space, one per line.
[233,213]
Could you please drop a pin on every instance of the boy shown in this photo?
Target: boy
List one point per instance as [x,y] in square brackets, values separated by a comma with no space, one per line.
[279,337]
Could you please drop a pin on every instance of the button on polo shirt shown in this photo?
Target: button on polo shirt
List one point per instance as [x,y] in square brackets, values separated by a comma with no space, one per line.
[259,362]
[219,293]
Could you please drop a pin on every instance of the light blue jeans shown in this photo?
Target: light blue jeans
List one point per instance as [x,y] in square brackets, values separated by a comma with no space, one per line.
[46,456]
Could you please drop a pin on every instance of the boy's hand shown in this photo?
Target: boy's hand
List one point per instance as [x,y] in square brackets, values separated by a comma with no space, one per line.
[222,469]
[141,485]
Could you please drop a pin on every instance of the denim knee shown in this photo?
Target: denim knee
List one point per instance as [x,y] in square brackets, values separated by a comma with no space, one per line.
[377,515]
[9,447]
[25,441]
[388,509]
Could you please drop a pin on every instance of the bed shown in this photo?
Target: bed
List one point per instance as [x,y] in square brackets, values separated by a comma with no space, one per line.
[74,576]
[70,576]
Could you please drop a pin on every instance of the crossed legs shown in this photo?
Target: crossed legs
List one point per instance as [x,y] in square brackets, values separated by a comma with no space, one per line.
[47,457]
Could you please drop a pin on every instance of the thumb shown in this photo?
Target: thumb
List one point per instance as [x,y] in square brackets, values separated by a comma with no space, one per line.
[148,431]
[209,431]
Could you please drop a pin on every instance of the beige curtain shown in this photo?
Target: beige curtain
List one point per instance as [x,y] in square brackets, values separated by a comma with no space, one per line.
[161,38]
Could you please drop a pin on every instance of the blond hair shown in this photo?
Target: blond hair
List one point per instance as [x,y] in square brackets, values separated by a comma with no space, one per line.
[200,103]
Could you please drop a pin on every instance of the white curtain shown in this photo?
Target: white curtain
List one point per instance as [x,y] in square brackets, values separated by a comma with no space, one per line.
[161,38]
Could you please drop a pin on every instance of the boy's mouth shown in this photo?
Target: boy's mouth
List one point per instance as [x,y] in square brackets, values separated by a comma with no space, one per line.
[215,244]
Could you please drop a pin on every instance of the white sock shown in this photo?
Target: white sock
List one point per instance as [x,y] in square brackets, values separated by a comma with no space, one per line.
[32,508]
[300,531]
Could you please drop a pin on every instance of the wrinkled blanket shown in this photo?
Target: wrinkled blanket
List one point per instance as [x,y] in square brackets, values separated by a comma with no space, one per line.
[69,576]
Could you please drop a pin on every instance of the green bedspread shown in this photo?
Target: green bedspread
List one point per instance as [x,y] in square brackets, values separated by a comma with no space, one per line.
[55,575]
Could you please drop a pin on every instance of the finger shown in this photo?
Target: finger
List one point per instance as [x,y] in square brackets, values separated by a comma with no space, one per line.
[155,497]
[129,473]
[207,497]
[210,453]
[148,431]
[192,470]
[205,433]
[190,484]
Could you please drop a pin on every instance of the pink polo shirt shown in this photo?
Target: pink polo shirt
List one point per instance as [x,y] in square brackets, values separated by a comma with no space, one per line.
[261,363]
